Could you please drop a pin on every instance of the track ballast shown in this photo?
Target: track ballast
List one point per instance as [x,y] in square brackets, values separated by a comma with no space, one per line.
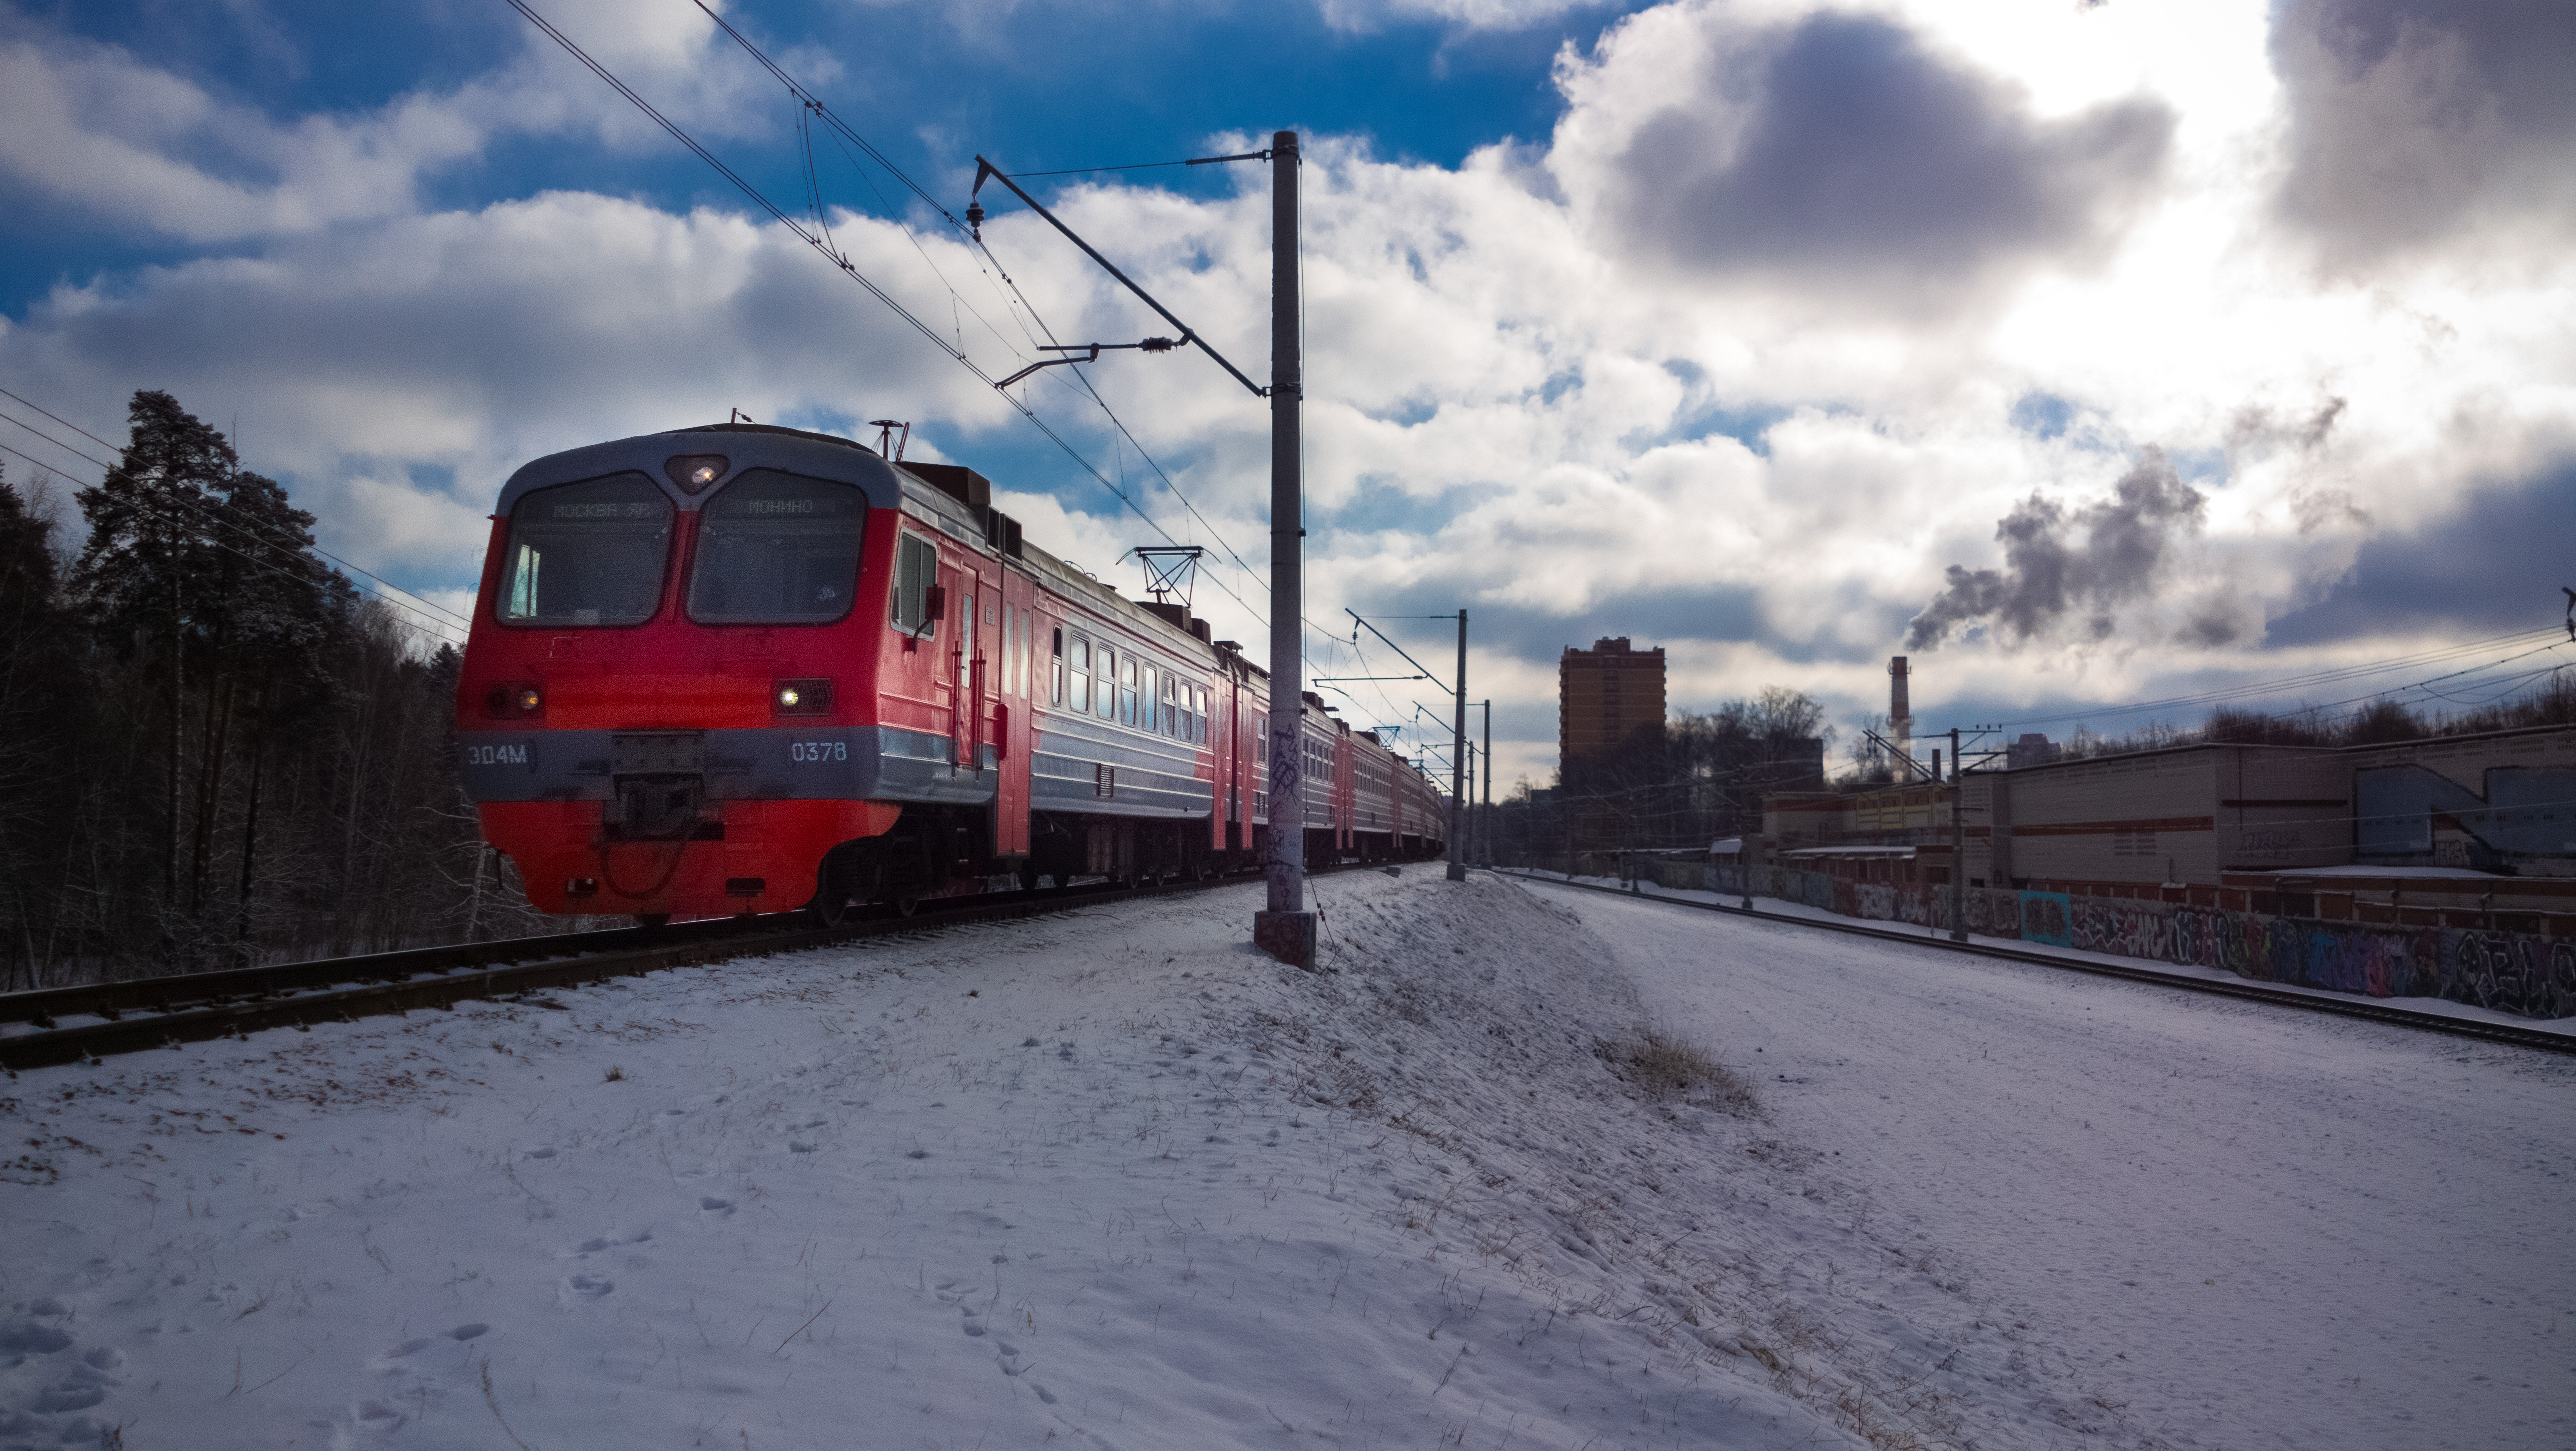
[144,1013]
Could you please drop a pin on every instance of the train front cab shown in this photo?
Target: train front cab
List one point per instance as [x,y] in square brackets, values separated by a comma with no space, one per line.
[701,661]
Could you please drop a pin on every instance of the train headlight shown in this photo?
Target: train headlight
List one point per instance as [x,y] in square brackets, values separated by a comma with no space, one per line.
[514,700]
[695,472]
[801,697]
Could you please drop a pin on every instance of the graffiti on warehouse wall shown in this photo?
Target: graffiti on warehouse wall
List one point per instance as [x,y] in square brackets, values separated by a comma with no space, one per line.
[2513,972]
[2044,918]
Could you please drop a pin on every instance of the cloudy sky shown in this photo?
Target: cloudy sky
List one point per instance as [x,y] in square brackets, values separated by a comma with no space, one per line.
[2094,354]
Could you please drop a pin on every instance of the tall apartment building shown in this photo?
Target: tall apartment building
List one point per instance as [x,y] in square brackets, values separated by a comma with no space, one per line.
[1602,695]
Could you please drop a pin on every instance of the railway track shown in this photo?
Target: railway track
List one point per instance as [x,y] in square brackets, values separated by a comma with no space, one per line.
[2256,992]
[49,1026]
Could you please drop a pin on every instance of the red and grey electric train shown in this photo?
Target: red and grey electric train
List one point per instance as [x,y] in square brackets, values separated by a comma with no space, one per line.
[742,668]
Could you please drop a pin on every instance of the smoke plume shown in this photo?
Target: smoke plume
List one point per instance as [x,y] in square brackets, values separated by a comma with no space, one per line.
[2057,562]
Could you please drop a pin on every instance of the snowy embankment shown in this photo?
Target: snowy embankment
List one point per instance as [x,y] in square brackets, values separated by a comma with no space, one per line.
[2241,1226]
[1776,907]
[1109,1177]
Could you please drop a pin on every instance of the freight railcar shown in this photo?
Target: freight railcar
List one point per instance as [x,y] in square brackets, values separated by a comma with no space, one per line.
[742,668]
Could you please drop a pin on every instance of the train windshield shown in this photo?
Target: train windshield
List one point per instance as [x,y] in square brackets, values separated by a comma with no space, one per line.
[777,549]
[590,553]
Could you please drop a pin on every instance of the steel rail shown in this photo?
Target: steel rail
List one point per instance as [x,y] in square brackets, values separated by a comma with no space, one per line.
[2255,992]
[164,1012]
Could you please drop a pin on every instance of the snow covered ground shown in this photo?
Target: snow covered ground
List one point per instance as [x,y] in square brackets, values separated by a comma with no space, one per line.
[1113,1179]
[2248,1227]
[1774,906]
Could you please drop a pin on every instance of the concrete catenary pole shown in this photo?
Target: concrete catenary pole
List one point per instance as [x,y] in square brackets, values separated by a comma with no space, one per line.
[1458,765]
[1485,838]
[1287,930]
[1958,844]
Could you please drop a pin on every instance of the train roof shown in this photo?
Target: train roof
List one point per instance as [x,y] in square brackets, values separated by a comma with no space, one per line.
[740,445]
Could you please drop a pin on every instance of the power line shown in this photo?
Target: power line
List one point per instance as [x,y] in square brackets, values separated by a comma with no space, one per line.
[1131,166]
[2321,677]
[813,105]
[841,260]
[299,544]
[65,422]
[429,622]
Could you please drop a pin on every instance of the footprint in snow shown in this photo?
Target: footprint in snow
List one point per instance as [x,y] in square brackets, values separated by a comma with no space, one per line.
[577,1289]
[26,1337]
[974,1325]
[799,1146]
[713,1205]
[469,1331]
[541,1153]
[84,1385]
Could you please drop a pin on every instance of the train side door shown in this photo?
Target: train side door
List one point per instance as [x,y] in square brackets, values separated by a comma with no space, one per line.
[972,605]
[1229,760]
[1016,685]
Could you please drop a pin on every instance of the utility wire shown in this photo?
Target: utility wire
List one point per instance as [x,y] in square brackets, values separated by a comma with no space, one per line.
[315,548]
[813,105]
[1131,166]
[428,623]
[813,239]
[2320,677]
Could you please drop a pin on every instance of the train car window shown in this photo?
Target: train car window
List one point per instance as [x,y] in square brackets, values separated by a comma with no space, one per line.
[1198,713]
[916,569]
[1079,700]
[777,548]
[1171,706]
[1145,703]
[1055,668]
[591,553]
[1127,691]
[1107,675]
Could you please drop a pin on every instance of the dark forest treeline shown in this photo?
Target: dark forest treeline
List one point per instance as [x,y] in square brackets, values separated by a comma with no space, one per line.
[213,750]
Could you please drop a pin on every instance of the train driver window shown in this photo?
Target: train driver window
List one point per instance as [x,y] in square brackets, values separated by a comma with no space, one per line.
[777,548]
[1055,643]
[591,553]
[916,569]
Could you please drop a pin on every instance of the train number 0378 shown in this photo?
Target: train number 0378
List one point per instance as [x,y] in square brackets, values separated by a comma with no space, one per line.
[818,750]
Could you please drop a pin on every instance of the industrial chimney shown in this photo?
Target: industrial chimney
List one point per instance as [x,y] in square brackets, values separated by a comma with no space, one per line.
[1900,716]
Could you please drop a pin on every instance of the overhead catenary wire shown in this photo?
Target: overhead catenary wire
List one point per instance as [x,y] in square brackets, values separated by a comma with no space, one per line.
[840,260]
[387,584]
[427,623]
[2328,676]
[813,105]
